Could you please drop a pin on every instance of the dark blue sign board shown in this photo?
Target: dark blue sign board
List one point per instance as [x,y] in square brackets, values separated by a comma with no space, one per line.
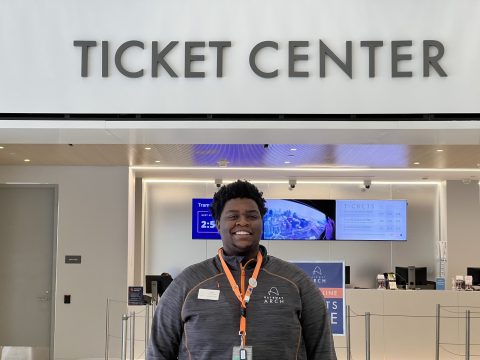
[330,280]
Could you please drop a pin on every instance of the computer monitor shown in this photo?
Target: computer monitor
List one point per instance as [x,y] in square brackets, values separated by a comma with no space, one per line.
[474,272]
[347,274]
[162,283]
[411,275]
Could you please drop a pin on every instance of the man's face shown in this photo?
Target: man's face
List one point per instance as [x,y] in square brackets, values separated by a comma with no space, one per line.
[240,227]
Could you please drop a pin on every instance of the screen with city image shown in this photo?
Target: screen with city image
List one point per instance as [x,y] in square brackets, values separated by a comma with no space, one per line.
[318,219]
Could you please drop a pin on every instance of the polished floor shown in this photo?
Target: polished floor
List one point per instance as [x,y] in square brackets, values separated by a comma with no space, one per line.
[23,353]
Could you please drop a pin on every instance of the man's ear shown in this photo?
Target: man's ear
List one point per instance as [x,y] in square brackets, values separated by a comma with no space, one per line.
[217,224]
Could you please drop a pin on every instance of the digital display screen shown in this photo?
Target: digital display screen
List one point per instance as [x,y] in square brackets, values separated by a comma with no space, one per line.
[371,220]
[299,219]
[203,224]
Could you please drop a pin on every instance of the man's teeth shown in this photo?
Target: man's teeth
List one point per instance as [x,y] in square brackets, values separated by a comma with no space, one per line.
[242,233]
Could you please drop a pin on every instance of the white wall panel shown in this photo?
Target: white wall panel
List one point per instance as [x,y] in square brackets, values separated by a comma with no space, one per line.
[170,246]
[40,69]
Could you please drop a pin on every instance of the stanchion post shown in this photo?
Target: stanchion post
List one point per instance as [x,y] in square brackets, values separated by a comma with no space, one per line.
[123,352]
[107,328]
[437,333]
[367,336]
[467,335]
[132,336]
[147,326]
[349,351]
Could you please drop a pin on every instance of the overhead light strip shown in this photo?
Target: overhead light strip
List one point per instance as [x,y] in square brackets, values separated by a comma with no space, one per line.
[353,182]
[299,169]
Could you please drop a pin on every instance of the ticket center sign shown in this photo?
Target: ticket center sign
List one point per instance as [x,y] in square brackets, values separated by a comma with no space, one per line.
[240,57]
[330,280]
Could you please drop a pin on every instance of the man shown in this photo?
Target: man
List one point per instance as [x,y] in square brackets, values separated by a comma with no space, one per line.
[243,303]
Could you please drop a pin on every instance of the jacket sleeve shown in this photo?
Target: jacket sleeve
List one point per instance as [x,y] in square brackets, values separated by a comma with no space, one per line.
[315,320]
[167,325]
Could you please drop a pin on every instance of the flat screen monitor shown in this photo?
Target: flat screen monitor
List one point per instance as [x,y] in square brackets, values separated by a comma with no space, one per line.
[474,272]
[299,220]
[347,274]
[411,275]
[371,220]
[317,219]
[162,283]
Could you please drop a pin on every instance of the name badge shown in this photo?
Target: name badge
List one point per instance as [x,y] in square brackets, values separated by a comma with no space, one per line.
[207,294]
[242,353]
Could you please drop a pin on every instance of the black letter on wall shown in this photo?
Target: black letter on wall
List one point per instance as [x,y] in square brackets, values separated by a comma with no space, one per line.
[118,58]
[189,58]
[396,57]
[253,55]
[104,58]
[159,58]
[372,45]
[292,57]
[220,45]
[432,60]
[84,45]
[346,67]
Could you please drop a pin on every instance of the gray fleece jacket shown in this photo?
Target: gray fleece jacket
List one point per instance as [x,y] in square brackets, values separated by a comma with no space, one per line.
[286,316]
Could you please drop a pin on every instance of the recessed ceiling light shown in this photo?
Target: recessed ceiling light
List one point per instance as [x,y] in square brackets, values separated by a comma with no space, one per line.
[157,161]
[223,162]
[416,163]
[439,150]
[286,162]
[148,148]
[26,160]
[1,148]
[293,149]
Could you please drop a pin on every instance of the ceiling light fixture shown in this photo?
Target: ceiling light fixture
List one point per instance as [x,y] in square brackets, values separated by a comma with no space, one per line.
[148,148]
[287,162]
[1,147]
[27,160]
[439,150]
[309,169]
[157,161]
[416,163]
[306,182]
[223,163]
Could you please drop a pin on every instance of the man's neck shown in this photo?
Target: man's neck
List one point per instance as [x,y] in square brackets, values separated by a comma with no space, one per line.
[245,256]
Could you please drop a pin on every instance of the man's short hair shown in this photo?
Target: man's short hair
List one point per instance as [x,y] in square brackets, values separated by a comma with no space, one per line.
[238,189]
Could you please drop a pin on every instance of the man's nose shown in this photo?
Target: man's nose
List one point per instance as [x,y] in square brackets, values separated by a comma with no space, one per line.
[242,221]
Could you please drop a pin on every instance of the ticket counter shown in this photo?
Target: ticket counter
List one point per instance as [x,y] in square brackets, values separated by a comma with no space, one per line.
[403,323]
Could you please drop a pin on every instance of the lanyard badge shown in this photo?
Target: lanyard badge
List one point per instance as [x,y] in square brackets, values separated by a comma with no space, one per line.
[242,352]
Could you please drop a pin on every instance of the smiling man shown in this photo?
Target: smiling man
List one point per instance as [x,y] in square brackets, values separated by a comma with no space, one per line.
[242,304]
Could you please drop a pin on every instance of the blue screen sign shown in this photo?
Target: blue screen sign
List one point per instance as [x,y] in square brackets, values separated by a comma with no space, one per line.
[203,223]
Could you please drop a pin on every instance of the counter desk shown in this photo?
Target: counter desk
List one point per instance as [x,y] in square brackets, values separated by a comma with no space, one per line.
[403,323]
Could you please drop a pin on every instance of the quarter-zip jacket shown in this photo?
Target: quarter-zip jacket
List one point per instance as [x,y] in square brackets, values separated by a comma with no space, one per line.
[286,315]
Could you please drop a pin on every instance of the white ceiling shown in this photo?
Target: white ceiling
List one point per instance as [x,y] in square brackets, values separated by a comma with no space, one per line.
[326,150]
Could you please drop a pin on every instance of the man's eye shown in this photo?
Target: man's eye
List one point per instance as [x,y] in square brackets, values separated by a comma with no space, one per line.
[232,217]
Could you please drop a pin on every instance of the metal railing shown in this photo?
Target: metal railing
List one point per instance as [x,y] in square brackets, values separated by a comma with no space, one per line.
[466,315]
[130,335]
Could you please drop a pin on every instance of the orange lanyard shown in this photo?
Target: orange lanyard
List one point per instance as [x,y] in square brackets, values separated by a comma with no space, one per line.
[243,298]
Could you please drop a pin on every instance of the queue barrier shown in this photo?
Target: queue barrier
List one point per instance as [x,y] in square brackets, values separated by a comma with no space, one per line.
[122,340]
[439,345]
[128,339]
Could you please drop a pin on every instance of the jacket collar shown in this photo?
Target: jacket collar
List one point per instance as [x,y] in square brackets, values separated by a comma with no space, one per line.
[234,262]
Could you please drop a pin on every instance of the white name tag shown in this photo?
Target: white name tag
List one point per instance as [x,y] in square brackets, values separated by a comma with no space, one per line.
[207,294]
